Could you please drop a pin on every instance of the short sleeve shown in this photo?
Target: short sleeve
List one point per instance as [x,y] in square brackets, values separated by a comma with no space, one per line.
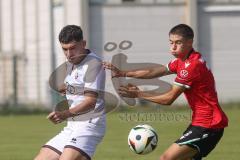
[97,83]
[172,66]
[94,76]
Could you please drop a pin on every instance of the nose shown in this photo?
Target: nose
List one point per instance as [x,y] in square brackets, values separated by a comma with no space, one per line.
[174,47]
[68,53]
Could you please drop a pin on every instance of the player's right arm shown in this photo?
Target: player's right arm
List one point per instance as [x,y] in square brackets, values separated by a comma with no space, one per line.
[144,73]
[88,104]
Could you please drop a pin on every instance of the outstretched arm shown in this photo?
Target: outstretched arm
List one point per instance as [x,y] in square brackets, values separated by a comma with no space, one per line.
[167,98]
[145,73]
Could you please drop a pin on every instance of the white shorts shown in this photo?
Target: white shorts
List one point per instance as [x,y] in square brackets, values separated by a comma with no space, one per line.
[83,136]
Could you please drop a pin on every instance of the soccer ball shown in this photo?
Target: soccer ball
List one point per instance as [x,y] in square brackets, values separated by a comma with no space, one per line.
[142,139]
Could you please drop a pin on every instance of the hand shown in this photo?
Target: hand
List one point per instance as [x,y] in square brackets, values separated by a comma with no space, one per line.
[130,91]
[115,71]
[58,117]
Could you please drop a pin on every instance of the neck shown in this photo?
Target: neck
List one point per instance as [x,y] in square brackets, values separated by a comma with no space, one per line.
[187,55]
[82,57]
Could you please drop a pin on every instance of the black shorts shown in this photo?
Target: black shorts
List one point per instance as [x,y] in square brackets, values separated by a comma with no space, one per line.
[203,139]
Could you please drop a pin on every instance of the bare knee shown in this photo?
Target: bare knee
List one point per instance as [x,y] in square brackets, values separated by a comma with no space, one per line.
[166,157]
[169,157]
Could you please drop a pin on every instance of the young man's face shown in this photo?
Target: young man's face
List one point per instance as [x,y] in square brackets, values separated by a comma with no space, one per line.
[179,46]
[74,51]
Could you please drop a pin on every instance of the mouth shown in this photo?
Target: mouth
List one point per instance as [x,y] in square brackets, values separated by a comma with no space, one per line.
[175,54]
[69,58]
[72,57]
[75,59]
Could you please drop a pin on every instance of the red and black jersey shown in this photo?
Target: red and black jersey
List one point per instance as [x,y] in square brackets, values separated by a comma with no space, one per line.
[201,94]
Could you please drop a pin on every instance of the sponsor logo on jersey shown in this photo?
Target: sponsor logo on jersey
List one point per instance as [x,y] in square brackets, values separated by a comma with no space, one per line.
[187,64]
[73,140]
[183,73]
[76,75]
[201,60]
[204,136]
[186,134]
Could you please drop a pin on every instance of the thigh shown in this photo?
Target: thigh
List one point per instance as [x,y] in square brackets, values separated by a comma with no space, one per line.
[73,154]
[47,154]
[86,136]
[210,141]
[177,152]
[58,142]
[84,143]
[202,139]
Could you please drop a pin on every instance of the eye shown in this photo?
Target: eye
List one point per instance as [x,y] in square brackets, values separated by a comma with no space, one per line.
[72,48]
[179,42]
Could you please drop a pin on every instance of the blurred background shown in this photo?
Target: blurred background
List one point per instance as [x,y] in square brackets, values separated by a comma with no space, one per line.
[30,52]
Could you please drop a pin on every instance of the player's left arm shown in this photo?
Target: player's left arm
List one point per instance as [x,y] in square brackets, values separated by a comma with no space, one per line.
[165,99]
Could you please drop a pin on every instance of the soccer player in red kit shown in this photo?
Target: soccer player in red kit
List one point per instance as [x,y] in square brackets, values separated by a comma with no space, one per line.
[196,81]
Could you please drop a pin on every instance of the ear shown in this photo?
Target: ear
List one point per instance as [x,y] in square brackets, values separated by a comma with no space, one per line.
[190,42]
[84,43]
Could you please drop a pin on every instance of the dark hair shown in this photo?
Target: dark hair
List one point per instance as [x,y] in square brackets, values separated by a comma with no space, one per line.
[70,33]
[183,30]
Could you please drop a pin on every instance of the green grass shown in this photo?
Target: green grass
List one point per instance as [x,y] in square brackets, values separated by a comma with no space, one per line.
[22,136]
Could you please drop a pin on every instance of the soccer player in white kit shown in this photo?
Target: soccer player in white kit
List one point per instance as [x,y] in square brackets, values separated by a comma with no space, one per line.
[86,123]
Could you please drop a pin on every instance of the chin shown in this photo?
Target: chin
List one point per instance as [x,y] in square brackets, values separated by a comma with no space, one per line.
[70,61]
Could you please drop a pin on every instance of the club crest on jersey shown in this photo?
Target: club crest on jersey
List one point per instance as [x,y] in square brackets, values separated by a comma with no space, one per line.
[76,75]
[183,73]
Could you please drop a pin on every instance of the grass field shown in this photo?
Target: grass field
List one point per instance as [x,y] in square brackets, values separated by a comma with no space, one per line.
[22,136]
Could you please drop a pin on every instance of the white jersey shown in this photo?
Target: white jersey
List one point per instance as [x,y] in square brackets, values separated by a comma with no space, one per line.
[89,75]
[83,132]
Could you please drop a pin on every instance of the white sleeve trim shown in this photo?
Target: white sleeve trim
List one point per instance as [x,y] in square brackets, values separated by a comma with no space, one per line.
[167,68]
[182,85]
